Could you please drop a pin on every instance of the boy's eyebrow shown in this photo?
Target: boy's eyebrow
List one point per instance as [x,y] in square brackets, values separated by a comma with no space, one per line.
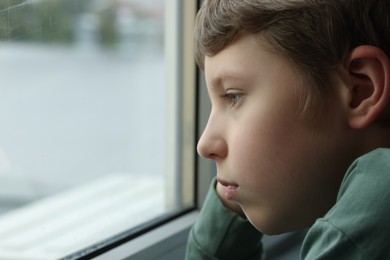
[226,75]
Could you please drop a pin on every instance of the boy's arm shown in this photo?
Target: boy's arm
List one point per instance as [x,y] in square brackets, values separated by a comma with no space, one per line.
[220,233]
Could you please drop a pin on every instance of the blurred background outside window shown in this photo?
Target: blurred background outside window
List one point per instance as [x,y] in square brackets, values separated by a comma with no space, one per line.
[84,123]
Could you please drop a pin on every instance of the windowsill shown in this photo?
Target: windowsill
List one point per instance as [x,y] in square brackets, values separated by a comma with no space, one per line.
[165,242]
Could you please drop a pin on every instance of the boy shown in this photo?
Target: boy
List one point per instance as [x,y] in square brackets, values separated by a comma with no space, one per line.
[299,127]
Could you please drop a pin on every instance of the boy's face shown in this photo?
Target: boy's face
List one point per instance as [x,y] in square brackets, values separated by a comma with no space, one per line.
[281,172]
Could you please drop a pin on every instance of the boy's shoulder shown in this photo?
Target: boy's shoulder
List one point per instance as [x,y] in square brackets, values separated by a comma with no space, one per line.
[369,174]
[369,167]
[357,225]
[377,158]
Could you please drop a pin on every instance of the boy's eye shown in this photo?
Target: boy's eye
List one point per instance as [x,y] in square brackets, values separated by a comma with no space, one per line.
[233,98]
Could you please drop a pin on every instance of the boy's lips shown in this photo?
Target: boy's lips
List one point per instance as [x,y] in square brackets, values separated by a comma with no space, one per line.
[226,183]
[231,188]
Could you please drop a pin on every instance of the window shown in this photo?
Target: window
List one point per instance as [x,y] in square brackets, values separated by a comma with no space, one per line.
[97,113]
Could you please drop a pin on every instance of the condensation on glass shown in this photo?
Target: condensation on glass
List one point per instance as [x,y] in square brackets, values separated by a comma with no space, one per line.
[86,150]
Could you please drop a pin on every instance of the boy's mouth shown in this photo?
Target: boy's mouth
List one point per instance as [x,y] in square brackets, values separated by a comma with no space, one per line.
[231,188]
[226,183]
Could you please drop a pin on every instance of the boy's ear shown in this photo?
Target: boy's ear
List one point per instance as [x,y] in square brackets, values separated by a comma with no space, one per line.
[369,85]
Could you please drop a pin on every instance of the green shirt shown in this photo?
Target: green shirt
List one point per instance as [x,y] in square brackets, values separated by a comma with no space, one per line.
[357,227]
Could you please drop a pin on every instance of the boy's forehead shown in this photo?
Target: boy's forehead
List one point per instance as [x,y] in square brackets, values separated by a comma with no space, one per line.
[228,62]
[242,59]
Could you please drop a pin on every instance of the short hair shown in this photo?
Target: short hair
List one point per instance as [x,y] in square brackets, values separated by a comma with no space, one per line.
[315,35]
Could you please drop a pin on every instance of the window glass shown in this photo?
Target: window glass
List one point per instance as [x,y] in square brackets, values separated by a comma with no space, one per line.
[86,119]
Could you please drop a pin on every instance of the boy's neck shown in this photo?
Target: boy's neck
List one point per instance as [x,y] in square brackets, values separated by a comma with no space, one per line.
[377,136]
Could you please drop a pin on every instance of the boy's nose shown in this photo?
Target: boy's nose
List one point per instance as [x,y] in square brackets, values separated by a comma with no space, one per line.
[211,144]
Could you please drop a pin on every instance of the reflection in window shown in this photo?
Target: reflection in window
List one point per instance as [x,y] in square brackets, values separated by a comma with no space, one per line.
[83,122]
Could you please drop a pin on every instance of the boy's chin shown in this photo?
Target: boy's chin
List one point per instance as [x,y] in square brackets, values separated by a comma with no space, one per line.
[272,228]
